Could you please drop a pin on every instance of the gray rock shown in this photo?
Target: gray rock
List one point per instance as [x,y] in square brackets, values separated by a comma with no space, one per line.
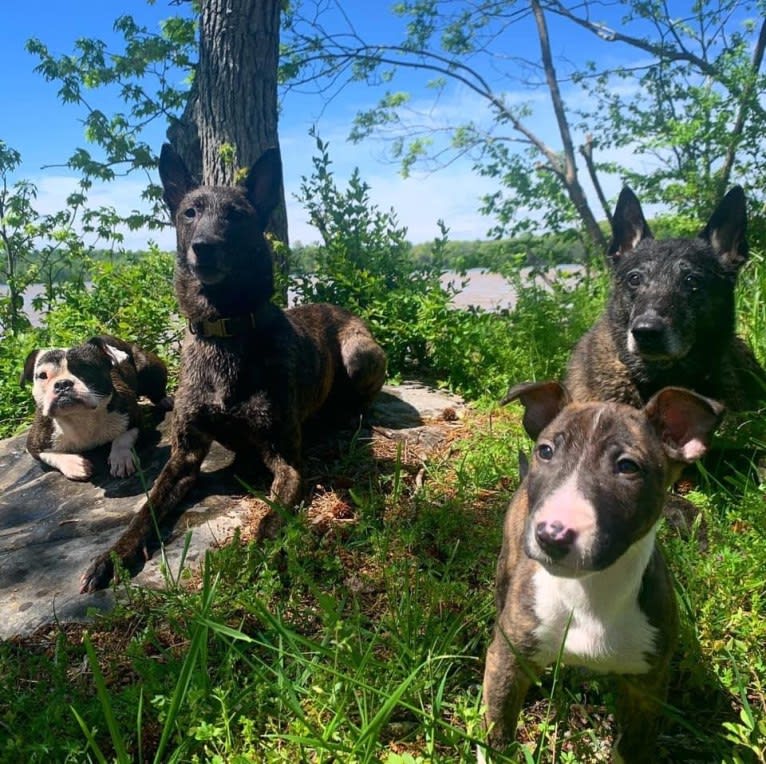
[51,527]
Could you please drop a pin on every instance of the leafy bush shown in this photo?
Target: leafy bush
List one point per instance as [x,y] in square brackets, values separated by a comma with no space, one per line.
[364,264]
[131,299]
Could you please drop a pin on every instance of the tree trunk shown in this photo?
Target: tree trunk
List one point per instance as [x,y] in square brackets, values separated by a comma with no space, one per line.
[231,115]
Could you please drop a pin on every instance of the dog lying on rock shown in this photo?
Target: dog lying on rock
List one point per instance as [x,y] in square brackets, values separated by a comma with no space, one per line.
[87,396]
[251,373]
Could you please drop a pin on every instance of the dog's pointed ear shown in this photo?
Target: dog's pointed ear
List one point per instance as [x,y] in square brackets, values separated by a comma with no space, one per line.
[263,184]
[629,225]
[28,373]
[685,422]
[176,178]
[726,230]
[542,402]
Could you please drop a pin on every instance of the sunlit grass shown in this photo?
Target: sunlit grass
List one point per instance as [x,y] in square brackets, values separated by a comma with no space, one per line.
[365,643]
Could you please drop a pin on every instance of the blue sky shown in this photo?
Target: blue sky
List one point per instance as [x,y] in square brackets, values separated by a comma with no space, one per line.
[45,131]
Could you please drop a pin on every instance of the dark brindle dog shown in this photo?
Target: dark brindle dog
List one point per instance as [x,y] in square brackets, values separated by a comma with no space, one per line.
[670,315]
[251,373]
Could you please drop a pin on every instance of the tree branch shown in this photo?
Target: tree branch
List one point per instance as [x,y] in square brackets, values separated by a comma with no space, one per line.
[742,111]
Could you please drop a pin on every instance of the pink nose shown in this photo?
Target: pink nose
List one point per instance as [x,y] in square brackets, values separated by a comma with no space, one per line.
[554,538]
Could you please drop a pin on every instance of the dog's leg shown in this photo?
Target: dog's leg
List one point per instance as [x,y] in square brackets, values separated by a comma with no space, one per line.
[72,466]
[283,460]
[120,458]
[638,714]
[177,477]
[505,685]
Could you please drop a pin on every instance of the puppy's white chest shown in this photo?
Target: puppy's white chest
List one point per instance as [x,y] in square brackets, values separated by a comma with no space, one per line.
[599,615]
[86,432]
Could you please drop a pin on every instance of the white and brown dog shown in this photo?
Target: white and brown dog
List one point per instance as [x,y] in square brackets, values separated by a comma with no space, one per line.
[87,396]
[579,574]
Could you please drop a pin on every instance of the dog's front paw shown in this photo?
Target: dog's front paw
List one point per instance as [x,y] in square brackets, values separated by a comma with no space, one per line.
[121,463]
[98,575]
[121,456]
[74,466]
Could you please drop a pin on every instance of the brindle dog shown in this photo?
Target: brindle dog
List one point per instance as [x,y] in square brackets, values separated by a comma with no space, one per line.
[670,315]
[251,373]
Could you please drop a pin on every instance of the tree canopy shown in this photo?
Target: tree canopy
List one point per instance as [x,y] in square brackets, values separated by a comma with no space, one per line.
[666,98]
[568,101]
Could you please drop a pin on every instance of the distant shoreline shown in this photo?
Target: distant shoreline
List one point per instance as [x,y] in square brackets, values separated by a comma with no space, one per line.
[485,290]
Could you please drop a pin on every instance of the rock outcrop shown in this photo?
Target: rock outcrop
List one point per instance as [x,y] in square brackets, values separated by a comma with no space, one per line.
[51,527]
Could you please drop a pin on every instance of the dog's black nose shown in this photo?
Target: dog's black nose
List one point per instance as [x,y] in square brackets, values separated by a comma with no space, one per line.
[60,385]
[649,332]
[554,539]
[205,250]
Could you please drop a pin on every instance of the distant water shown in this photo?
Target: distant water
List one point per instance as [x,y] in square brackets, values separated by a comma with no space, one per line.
[489,291]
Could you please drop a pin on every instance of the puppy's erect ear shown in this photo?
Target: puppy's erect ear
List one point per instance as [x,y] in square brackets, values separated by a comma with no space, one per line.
[542,402]
[685,422]
[28,374]
[726,230]
[629,225]
[263,184]
[176,178]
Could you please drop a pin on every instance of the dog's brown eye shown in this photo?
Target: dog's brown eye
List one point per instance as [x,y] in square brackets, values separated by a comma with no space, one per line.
[190,213]
[634,279]
[545,452]
[42,375]
[627,467]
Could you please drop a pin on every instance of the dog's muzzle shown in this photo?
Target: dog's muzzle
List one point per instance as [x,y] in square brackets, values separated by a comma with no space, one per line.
[652,337]
[205,260]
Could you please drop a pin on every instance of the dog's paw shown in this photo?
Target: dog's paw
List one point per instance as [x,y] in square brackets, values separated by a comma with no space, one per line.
[74,466]
[98,575]
[121,463]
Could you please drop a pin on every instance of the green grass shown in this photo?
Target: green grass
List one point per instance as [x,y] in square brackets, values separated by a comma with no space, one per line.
[364,642]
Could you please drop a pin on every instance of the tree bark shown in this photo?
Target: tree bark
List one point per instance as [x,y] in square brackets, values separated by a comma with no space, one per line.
[231,115]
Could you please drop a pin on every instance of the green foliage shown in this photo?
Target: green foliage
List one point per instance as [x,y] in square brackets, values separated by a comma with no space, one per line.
[145,69]
[678,112]
[675,89]
[131,299]
[34,248]
[364,263]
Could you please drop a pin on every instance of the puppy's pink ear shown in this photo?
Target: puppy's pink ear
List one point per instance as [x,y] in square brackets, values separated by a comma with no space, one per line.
[542,402]
[28,374]
[685,422]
